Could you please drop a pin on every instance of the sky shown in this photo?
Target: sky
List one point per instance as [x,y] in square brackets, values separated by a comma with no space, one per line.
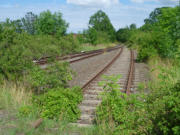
[78,12]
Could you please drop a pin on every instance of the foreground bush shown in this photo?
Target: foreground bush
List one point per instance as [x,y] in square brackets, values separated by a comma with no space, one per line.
[19,50]
[56,75]
[119,113]
[60,104]
[155,113]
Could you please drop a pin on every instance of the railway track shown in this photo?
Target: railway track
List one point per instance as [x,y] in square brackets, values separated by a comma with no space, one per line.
[122,63]
[79,56]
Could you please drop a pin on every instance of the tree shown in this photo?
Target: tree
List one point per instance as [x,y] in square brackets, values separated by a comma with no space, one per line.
[29,22]
[1,30]
[133,26]
[17,24]
[51,24]
[93,36]
[153,17]
[123,34]
[101,22]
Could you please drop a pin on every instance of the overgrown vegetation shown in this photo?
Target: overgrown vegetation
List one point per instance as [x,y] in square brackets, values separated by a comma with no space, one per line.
[100,29]
[28,92]
[34,92]
[158,36]
[156,110]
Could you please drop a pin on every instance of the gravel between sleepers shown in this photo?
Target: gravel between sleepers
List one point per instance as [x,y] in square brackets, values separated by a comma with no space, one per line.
[88,68]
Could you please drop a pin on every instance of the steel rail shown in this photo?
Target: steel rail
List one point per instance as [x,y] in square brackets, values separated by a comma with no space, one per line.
[103,70]
[87,55]
[44,59]
[82,58]
[89,52]
[130,75]
[94,54]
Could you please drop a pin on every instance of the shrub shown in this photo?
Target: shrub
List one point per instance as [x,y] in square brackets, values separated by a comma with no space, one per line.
[13,54]
[120,113]
[54,76]
[25,110]
[69,44]
[60,103]
[123,35]
[22,49]
[163,103]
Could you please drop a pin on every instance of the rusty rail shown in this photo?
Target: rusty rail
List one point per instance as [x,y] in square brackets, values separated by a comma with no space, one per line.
[130,75]
[103,70]
[85,57]
[89,53]
[94,54]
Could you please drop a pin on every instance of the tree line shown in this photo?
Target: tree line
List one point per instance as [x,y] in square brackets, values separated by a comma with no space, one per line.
[48,23]
[160,34]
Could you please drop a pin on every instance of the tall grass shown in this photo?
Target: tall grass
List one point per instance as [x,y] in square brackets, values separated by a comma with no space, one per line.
[12,96]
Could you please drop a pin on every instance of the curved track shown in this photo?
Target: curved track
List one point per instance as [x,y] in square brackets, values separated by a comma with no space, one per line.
[122,63]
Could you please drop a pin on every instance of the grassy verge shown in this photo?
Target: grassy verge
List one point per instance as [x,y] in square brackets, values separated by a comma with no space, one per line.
[18,112]
[89,47]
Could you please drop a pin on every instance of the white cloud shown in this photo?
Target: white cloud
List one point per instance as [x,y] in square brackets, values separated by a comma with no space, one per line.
[104,3]
[142,1]
[169,2]
[165,2]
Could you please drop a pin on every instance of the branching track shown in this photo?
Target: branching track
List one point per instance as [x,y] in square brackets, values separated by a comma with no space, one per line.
[79,56]
[122,63]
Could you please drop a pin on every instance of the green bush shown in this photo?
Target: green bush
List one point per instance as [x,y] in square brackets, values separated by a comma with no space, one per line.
[54,76]
[163,103]
[60,103]
[159,35]
[123,35]
[155,113]
[22,49]
[25,110]
[120,113]
[14,57]
[69,44]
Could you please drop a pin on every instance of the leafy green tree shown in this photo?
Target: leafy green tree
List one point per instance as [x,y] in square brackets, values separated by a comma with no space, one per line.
[93,36]
[29,22]
[101,22]
[123,34]
[51,24]
[17,24]
[133,26]
[153,17]
[162,24]
[1,30]
[7,23]
[13,24]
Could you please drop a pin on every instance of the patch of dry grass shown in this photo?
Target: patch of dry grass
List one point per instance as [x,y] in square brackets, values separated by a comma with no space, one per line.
[89,47]
[12,95]
[155,65]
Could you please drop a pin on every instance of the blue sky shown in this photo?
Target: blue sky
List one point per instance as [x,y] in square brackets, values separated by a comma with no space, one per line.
[77,12]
